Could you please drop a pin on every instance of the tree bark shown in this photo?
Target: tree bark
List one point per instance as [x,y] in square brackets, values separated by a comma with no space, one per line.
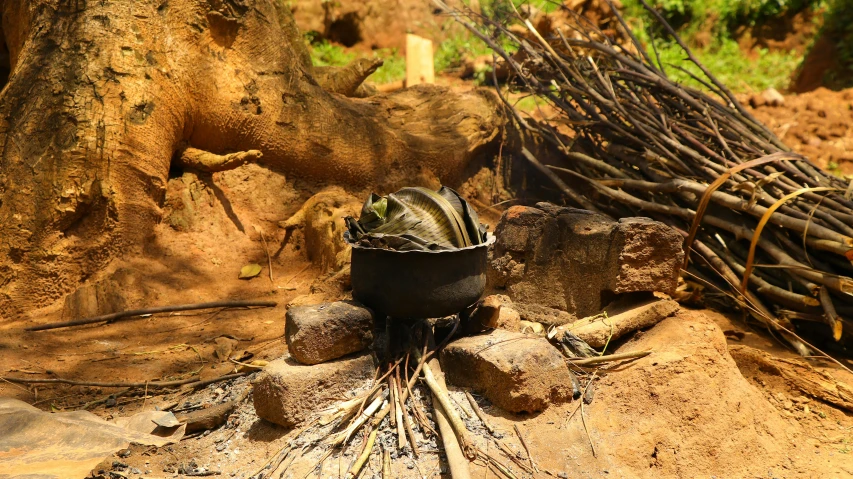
[103,96]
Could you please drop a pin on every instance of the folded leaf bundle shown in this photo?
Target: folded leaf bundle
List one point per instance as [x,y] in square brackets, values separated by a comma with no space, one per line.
[417,219]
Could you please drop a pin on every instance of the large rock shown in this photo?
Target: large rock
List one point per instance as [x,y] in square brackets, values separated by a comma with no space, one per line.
[287,392]
[577,261]
[515,372]
[322,332]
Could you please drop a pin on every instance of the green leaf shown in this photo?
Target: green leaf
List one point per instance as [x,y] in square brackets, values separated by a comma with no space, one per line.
[250,271]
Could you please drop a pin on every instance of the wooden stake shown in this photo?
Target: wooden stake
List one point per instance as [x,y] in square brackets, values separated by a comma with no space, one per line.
[419,61]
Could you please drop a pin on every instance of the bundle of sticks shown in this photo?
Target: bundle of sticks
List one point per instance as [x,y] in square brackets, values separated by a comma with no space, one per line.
[762,224]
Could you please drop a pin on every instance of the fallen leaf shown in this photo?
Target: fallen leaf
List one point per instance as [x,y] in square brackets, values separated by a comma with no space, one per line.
[250,271]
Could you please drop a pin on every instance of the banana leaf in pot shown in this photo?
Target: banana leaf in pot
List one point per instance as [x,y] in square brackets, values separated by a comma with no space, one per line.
[417,219]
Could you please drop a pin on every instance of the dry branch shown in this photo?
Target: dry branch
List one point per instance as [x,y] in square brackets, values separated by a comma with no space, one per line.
[147,384]
[159,309]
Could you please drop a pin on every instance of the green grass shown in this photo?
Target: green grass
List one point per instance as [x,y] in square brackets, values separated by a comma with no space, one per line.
[731,66]
[738,70]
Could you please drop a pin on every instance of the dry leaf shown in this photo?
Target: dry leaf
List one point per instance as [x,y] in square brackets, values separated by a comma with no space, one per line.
[250,271]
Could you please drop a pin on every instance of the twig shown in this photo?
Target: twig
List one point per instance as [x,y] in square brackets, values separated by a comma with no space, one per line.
[155,310]
[479,412]
[526,449]
[608,358]
[344,436]
[150,384]
[267,251]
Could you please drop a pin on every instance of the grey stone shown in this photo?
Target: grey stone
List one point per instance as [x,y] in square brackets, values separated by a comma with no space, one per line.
[287,392]
[327,331]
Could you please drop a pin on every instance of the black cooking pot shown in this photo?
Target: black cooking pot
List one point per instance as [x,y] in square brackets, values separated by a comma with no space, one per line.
[418,284]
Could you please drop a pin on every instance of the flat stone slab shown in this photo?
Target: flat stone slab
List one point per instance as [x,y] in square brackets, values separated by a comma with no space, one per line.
[322,332]
[287,392]
[516,372]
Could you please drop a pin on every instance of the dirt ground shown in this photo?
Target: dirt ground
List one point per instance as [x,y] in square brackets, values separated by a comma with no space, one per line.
[818,124]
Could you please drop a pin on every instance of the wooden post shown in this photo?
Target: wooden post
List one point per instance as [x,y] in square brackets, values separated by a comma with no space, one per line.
[419,61]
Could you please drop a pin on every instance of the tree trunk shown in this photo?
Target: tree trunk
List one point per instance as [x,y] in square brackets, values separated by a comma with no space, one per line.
[103,94]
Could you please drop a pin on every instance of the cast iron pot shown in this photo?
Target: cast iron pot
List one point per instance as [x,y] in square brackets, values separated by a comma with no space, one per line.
[418,284]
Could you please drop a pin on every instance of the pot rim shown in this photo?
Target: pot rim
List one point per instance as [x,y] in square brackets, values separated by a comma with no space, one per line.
[490,240]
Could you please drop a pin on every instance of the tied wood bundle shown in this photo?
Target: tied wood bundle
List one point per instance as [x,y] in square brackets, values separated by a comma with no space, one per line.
[762,224]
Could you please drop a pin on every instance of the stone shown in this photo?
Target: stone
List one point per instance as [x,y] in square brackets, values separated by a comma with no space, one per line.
[326,331]
[534,313]
[769,97]
[577,261]
[493,311]
[287,392]
[598,330]
[507,317]
[516,372]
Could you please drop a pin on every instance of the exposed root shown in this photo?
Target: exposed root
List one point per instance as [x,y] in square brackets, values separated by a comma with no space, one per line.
[348,80]
[208,162]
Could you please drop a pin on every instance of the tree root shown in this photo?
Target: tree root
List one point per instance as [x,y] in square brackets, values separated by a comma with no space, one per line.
[348,80]
[208,162]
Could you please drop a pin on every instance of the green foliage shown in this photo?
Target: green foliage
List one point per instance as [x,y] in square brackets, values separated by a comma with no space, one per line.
[394,68]
[737,69]
[325,54]
[731,66]
[688,15]
[452,52]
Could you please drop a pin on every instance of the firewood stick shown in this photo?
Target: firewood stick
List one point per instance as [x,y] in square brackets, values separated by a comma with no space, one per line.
[398,409]
[365,454]
[609,357]
[404,417]
[386,465]
[479,412]
[440,394]
[392,402]
[831,315]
